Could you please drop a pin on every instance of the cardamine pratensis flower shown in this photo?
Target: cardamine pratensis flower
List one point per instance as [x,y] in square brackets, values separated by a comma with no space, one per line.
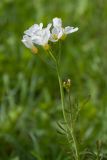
[37,35]
[58,32]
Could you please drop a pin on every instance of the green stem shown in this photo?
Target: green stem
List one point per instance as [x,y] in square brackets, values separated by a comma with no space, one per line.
[60,85]
[70,106]
[61,93]
[71,130]
[75,142]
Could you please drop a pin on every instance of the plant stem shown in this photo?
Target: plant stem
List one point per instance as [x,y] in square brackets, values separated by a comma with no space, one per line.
[60,85]
[69,128]
[61,93]
[75,142]
[72,130]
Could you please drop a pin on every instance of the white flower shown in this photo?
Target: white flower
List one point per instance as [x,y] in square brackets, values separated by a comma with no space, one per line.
[34,29]
[27,41]
[56,34]
[58,31]
[42,36]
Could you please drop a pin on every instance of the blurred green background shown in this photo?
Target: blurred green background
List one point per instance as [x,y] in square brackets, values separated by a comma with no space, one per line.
[29,93]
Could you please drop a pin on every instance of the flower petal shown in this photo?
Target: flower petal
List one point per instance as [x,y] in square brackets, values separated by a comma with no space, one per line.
[49,26]
[41,25]
[69,30]
[33,29]
[57,22]
[27,41]
[45,37]
[55,31]
[60,33]
[42,36]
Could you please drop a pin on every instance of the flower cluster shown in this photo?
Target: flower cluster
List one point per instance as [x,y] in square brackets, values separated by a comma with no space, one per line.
[37,35]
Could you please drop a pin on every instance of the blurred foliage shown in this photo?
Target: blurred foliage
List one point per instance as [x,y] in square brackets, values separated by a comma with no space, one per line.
[29,100]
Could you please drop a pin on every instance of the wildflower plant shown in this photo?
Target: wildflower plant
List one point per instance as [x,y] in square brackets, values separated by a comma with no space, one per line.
[37,36]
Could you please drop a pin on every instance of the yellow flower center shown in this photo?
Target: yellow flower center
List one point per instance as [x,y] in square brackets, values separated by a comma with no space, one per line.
[54,36]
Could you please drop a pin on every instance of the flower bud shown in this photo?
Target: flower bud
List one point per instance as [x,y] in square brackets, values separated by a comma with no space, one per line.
[67,84]
[34,50]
